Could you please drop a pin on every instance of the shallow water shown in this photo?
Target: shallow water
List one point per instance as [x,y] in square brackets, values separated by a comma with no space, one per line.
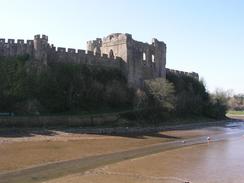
[195,160]
[214,162]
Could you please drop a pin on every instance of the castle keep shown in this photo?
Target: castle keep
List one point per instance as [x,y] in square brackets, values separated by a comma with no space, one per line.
[138,61]
[143,60]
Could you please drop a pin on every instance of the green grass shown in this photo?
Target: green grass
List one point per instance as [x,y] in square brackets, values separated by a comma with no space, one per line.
[235,113]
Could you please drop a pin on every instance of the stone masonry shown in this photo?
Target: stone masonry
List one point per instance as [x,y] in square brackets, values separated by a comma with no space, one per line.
[138,61]
[143,60]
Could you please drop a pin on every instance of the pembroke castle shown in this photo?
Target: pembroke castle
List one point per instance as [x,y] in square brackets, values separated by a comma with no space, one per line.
[138,61]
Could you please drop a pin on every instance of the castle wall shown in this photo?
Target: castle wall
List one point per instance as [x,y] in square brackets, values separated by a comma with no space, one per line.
[146,61]
[180,73]
[138,61]
[70,55]
[12,47]
[39,49]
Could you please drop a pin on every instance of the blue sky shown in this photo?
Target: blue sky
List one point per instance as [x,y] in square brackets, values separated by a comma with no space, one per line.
[205,36]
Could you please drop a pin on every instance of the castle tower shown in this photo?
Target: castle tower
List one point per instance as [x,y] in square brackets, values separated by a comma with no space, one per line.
[41,48]
[116,45]
[143,61]
[95,46]
[159,57]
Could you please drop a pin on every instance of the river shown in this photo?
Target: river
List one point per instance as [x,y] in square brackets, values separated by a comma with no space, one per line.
[194,160]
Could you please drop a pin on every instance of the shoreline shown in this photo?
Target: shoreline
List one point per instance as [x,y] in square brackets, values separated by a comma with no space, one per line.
[135,130]
[62,168]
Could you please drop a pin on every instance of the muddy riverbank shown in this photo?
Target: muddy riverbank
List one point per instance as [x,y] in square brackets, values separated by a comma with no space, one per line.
[128,148]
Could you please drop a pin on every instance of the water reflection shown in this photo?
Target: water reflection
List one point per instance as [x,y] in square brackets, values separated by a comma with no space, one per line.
[216,162]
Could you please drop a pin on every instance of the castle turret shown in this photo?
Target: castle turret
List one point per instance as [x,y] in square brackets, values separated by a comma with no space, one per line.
[159,57]
[95,46]
[40,48]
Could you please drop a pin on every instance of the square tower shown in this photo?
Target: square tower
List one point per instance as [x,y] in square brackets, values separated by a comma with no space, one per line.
[143,60]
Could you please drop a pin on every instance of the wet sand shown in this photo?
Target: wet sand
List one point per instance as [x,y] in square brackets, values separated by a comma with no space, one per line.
[38,149]
[216,162]
[61,169]
[168,166]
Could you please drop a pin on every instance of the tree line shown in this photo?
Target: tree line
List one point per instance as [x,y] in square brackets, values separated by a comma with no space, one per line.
[60,88]
[75,88]
[236,102]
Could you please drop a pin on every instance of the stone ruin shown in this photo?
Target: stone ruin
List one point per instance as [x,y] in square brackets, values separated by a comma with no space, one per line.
[138,61]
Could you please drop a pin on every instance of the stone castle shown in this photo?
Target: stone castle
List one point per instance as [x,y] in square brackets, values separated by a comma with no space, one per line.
[138,61]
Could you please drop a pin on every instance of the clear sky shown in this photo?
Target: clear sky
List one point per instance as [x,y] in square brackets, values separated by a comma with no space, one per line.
[205,36]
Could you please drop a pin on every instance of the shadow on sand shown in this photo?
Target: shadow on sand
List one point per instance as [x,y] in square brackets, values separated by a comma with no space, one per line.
[142,133]
[21,132]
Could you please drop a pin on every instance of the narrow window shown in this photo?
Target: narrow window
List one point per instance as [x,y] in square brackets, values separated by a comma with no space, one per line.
[111,54]
[153,59]
[144,56]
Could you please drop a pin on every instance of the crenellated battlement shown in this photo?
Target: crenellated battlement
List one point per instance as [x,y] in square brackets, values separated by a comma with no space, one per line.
[70,55]
[45,37]
[30,42]
[2,41]
[20,41]
[12,47]
[38,36]
[117,37]
[177,72]
[14,42]
[61,50]
[82,53]
[137,60]
[40,49]
[71,50]
[11,41]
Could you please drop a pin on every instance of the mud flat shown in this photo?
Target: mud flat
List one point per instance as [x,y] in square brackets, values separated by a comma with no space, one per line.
[218,162]
[46,157]
[26,151]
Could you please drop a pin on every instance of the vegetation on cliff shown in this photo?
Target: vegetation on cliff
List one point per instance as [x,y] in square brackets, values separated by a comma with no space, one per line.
[178,97]
[60,88]
[65,88]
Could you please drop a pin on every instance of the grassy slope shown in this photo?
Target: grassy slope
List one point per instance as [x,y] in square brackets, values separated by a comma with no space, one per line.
[235,113]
